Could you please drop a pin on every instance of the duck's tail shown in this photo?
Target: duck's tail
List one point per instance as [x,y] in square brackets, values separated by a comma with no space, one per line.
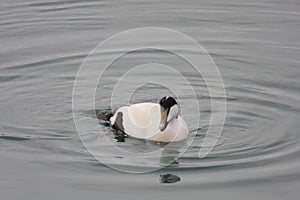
[105,116]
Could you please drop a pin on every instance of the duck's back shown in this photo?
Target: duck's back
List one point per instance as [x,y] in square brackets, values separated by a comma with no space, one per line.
[138,120]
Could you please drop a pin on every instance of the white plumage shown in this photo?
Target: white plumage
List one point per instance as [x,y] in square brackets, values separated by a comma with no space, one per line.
[143,121]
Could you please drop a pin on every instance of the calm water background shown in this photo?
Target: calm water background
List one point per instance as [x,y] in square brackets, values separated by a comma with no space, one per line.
[256,46]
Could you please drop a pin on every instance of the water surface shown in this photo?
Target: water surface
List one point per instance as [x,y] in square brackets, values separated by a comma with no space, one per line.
[256,46]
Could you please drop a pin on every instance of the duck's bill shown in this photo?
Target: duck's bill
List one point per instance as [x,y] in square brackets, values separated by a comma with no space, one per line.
[163,120]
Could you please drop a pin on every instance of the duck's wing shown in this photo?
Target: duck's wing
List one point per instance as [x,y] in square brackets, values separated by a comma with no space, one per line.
[138,120]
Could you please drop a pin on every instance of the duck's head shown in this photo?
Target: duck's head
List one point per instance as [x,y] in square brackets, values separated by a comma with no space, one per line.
[169,110]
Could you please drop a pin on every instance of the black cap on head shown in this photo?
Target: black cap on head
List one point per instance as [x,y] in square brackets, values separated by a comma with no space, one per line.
[167,102]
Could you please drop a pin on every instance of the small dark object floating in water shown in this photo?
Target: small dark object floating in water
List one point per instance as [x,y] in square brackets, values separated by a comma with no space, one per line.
[169,178]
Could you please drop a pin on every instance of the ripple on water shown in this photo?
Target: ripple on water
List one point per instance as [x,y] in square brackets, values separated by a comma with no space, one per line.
[258,132]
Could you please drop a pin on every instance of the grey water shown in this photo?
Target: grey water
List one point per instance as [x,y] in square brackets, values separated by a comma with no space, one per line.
[255,45]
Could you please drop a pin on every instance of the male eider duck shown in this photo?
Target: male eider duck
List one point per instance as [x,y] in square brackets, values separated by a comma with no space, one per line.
[158,122]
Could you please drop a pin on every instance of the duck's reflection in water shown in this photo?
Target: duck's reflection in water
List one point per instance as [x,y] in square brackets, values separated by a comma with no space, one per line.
[169,158]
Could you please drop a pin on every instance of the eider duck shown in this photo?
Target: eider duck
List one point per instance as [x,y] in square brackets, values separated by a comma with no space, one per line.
[159,122]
